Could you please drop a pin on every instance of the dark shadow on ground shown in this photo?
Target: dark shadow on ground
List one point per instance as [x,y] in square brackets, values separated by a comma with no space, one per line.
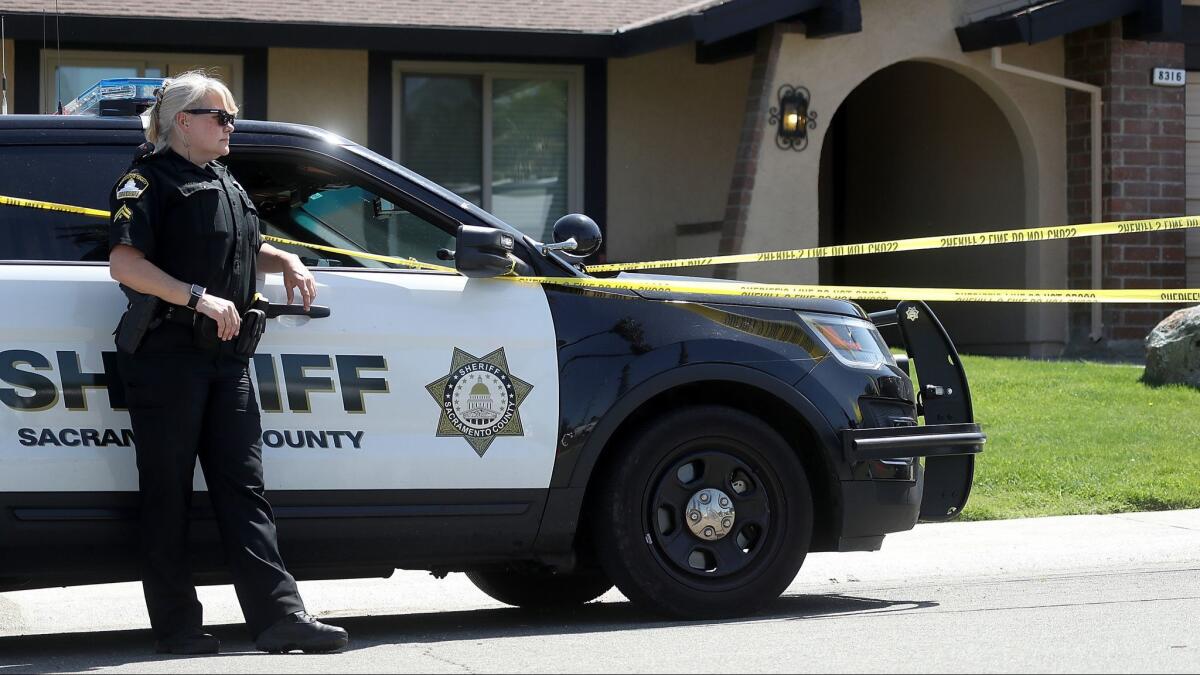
[77,652]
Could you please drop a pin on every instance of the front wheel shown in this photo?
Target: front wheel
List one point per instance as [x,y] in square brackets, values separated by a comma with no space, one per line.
[706,512]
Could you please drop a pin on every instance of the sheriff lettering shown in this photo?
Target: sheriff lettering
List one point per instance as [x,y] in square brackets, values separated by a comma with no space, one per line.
[33,382]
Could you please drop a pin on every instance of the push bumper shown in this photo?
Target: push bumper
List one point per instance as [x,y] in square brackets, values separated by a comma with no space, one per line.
[948,441]
[872,508]
[935,440]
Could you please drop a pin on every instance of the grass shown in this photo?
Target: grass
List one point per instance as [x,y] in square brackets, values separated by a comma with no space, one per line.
[1077,437]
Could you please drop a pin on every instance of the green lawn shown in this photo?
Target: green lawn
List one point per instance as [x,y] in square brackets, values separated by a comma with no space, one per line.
[1075,437]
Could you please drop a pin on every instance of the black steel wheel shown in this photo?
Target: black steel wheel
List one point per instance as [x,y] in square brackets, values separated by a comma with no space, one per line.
[706,513]
[540,589]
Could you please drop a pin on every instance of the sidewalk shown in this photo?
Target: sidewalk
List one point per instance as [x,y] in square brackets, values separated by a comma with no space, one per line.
[1018,548]
[1025,548]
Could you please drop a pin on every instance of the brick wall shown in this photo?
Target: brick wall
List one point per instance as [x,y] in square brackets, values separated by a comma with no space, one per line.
[760,96]
[1143,174]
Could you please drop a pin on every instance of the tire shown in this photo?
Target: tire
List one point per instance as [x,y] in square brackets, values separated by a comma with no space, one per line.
[640,516]
[540,589]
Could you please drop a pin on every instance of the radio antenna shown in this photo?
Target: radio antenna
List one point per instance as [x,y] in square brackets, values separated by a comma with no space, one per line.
[58,58]
[43,54]
[3,71]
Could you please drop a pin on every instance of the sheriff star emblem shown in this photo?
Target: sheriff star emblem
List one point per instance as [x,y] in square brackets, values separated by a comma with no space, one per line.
[479,399]
[912,314]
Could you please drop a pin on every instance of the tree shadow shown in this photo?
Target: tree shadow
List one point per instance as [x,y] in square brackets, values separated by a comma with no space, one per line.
[85,651]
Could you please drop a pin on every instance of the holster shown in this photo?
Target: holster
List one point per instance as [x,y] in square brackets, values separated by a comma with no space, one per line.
[254,324]
[141,316]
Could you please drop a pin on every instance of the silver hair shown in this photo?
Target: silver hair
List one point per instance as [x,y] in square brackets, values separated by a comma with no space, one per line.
[176,95]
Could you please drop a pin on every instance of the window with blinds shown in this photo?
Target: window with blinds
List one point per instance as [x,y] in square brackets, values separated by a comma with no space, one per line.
[506,137]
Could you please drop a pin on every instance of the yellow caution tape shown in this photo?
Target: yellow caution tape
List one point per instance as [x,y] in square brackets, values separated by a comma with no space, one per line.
[752,290]
[51,206]
[407,262]
[1032,234]
[795,291]
[99,213]
[747,290]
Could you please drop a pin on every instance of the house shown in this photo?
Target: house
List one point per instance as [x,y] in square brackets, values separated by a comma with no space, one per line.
[659,119]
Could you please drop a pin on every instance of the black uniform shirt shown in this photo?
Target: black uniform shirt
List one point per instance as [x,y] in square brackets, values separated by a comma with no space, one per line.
[195,223]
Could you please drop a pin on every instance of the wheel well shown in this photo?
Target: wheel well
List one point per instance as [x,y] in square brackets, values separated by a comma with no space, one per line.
[779,415]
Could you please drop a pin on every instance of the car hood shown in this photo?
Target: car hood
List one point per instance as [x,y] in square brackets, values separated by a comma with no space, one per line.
[808,305]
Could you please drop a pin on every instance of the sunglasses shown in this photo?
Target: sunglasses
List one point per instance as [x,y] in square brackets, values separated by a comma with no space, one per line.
[223,117]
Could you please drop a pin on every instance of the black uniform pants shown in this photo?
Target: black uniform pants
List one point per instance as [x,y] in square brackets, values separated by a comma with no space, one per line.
[183,404]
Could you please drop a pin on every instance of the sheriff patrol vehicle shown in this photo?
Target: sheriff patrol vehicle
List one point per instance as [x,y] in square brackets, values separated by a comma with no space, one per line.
[548,441]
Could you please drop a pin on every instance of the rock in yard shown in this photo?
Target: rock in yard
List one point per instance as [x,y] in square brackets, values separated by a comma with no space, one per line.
[1173,350]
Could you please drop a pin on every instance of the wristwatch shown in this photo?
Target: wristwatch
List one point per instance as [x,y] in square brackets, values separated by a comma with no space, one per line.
[197,292]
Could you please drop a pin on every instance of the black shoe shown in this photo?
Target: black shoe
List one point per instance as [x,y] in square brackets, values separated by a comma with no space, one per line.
[301,631]
[190,644]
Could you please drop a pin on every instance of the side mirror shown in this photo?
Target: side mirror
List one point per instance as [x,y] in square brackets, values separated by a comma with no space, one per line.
[582,229]
[483,251]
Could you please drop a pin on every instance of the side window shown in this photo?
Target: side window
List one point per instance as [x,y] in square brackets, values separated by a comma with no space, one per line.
[331,207]
[75,175]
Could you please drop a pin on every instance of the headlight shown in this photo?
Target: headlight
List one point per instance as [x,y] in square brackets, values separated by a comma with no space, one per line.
[855,342]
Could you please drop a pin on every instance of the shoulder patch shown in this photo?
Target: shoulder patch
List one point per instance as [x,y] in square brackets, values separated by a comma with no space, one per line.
[131,186]
[123,213]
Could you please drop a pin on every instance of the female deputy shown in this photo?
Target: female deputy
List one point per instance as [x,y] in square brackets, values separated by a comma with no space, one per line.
[185,232]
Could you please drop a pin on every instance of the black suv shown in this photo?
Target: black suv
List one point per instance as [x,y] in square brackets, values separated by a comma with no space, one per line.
[549,441]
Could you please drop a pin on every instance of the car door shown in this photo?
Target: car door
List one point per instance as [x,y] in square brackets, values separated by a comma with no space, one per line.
[423,394]
[63,428]
[68,480]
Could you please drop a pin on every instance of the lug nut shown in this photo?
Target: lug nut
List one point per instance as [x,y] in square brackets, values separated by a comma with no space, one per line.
[704,498]
[726,523]
[708,532]
[694,515]
[724,503]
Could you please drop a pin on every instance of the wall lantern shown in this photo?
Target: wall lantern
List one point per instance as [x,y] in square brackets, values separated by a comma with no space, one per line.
[792,118]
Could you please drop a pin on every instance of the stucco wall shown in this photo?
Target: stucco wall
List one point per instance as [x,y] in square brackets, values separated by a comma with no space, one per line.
[322,87]
[673,129]
[786,188]
[9,56]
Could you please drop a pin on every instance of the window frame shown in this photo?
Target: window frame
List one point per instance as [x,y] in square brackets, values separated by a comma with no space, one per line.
[50,59]
[572,74]
[431,214]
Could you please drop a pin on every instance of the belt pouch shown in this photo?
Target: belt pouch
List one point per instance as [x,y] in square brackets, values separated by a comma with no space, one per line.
[254,322]
[139,318]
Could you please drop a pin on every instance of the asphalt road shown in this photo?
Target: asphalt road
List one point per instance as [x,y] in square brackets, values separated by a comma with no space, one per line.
[1085,593]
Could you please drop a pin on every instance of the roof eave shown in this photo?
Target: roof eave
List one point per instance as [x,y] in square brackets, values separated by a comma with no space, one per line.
[1144,19]
[705,27]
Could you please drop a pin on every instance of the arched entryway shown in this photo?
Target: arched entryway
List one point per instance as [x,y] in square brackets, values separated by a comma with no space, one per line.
[917,150]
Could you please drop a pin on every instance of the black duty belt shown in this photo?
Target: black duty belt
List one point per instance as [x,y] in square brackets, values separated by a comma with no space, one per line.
[180,314]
